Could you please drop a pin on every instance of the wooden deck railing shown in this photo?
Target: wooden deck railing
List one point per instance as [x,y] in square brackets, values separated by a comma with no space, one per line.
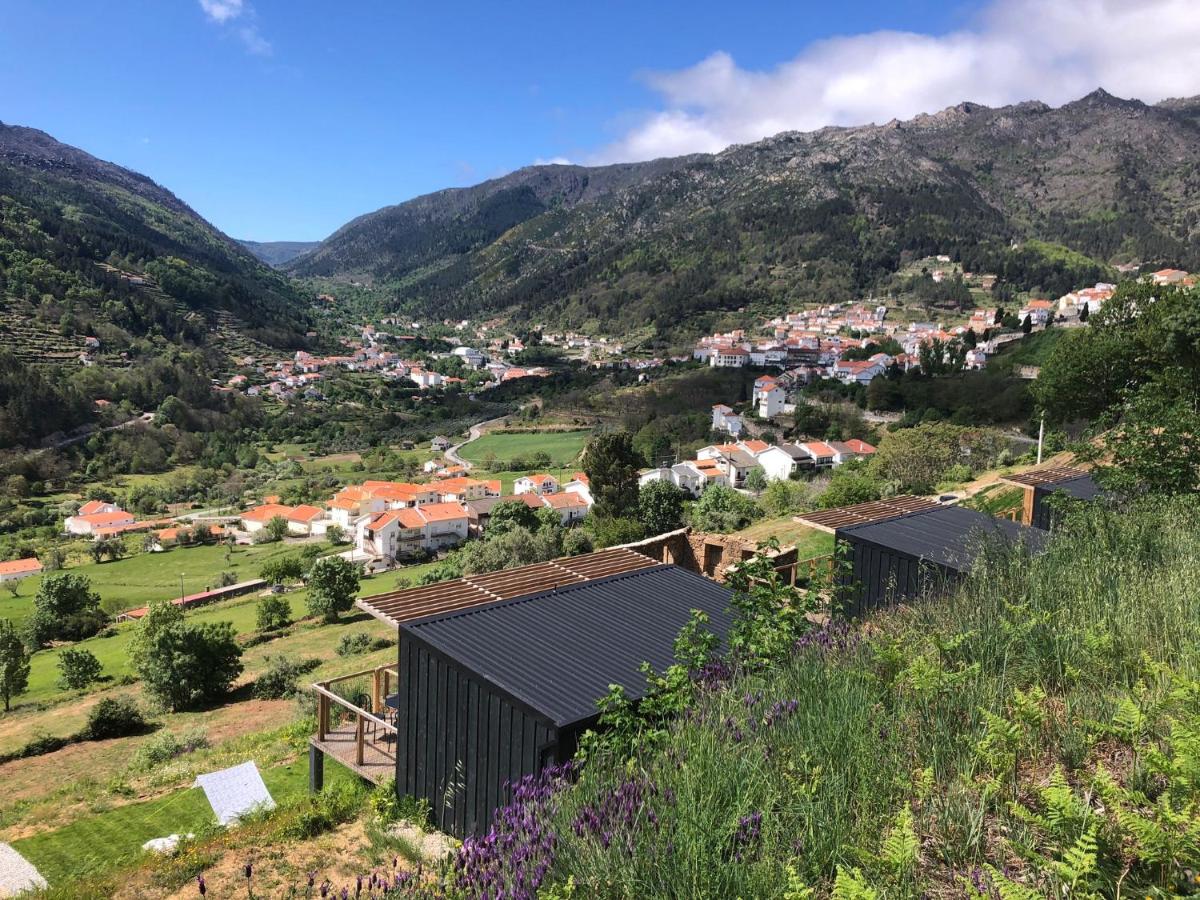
[815,572]
[330,702]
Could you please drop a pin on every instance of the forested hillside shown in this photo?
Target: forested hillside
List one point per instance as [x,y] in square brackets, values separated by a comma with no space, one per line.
[798,217]
[86,246]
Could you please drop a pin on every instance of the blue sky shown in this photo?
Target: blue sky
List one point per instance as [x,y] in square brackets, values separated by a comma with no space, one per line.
[283,119]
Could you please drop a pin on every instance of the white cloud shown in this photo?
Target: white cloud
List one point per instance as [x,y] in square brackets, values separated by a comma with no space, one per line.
[553,161]
[221,11]
[225,12]
[1015,50]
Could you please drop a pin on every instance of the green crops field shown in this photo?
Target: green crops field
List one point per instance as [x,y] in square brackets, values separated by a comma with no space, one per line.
[563,446]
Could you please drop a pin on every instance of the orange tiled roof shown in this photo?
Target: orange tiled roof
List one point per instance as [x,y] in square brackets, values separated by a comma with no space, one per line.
[20,566]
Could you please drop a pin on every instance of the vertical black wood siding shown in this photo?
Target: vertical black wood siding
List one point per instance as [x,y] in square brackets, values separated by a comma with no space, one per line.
[870,576]
[459,743]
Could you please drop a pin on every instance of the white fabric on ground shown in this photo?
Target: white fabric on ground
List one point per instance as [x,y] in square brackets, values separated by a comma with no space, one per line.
[17,874]
[236,791]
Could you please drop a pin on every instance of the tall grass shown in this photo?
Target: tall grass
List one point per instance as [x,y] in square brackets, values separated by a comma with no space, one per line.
[919,751]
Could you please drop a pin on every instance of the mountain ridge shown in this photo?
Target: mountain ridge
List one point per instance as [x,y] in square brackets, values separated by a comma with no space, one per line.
[798,216]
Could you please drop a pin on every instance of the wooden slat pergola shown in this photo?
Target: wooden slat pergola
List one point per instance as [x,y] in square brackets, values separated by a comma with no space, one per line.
[831,520]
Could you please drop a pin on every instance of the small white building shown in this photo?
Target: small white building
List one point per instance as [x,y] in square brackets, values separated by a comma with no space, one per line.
[536,484]
[724,419]
[17,569]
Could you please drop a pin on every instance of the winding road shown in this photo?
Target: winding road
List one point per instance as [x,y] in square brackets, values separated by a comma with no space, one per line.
[474,433]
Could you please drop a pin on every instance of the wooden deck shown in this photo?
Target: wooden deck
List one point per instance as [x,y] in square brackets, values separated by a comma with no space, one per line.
[362,740]
[378,754]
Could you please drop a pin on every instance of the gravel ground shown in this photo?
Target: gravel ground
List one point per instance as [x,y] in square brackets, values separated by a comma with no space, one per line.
[16,873]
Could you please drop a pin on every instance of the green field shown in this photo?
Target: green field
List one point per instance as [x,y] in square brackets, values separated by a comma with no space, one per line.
[98,842]
[143,577]
[563,446]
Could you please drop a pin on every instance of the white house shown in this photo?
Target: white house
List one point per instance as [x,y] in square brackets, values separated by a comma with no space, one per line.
[777,464]
[400,533]
[97,514]
[858,371]
[724,419]
[536,484]
[735,462]
[469,355]
[570,506]
[729,357]
[771,401]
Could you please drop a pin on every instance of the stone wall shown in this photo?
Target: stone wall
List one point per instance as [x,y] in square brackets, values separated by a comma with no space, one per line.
[709,554]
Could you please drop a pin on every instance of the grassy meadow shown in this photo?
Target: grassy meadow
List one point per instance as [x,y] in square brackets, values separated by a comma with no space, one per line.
[563,447]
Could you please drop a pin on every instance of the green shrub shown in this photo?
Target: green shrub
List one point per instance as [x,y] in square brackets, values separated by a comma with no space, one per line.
[164,746]
[113,717]
[279,680]
[350,644]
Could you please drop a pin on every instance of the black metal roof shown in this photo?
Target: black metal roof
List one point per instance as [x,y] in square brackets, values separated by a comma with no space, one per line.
[1082,488]
[556,652]
[949,536]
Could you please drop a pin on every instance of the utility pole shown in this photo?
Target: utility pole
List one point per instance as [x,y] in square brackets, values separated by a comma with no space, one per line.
[1041,437]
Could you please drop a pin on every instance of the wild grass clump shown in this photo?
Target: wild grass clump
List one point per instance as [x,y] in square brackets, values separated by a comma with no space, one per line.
[1031,734]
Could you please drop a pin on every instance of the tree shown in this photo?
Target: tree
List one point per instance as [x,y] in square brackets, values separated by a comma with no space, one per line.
[1084,312]
[509,515]
[273,613]
[660,507]
[65,608]
[611,465]
[914,460]
[1026,324]
[723,509]
[332,586]
[277,528]
[335,534]
[162,614]
[77,669]
[14,664]
[784,497]
[282,569]
[756,480]
[188,664]
[612,531]
[1154,448]
[849,484]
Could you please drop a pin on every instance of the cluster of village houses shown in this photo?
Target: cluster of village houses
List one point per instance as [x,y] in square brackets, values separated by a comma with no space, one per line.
[373,352]
[394,520]
[812,343]
[728,465]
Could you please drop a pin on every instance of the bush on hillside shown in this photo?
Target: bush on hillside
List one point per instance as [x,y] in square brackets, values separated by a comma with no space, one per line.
[279,680]
[113,717]
[165,746]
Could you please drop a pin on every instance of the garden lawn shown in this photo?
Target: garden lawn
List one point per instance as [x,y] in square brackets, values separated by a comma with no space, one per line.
[563,446]
[100,841]
[141,578]
[809,542]
[241,612]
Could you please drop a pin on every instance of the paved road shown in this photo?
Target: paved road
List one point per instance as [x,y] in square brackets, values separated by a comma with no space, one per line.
[75,439]
[473,434]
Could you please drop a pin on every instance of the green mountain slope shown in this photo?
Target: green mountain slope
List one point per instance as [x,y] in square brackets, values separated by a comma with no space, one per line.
[88,248]
[276,253]
[798,217]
